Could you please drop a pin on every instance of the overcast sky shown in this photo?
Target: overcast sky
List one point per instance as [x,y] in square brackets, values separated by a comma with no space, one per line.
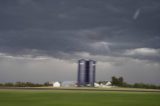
[41,40]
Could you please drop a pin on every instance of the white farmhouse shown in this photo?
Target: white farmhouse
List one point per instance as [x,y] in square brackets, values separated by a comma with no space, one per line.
[56,84]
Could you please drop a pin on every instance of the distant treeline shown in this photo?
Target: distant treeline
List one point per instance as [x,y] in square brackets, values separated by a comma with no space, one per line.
[120,82]
[23,84]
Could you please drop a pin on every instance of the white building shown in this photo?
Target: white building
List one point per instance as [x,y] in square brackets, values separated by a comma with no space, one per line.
[96,85]
[56,84]
[108,83]
[103,85]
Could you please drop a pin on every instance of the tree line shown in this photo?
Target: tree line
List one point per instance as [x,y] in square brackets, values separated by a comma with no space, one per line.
[116,81]
[119,81]
[23,84]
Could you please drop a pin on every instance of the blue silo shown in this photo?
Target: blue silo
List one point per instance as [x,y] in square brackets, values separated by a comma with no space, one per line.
[86,72]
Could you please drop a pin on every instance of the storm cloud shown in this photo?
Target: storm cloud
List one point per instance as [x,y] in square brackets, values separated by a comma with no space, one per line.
[120,35]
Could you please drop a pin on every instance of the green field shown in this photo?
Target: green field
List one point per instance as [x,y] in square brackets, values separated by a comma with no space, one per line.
[77,98]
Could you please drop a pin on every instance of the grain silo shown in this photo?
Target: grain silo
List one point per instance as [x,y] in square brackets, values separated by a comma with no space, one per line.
[86,72]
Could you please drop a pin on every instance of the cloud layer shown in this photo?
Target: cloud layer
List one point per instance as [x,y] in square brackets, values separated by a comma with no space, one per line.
[112,32]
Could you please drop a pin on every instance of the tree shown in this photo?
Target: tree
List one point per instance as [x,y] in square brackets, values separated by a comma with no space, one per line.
[114,81]
[117,81]
[46,84]
[9,84]
[1,84]
[120,81]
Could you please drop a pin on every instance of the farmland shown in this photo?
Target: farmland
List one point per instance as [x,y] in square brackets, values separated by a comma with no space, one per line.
[16,97]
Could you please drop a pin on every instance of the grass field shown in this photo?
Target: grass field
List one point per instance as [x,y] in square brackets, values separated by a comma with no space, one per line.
[77,98]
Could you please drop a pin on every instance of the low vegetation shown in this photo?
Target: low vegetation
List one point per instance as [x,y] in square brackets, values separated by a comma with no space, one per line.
[21,84]
[120,82]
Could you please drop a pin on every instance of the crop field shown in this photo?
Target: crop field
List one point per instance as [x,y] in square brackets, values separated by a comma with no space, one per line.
[13,97]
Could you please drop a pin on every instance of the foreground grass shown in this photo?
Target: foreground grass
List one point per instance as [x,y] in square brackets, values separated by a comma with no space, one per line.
[77,98]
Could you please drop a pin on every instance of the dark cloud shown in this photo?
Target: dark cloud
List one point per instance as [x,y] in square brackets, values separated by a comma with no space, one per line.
[71,29]
[71,26]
